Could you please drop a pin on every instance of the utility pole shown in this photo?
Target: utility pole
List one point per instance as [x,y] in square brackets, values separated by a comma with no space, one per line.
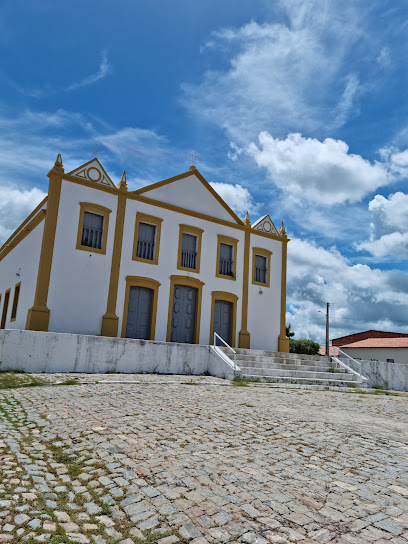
[327,328]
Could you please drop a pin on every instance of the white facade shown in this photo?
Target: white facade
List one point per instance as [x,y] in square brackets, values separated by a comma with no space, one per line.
[390,354]
[84,291]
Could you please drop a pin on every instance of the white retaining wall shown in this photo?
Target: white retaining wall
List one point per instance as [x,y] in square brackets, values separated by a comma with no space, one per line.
[389,375]
[33,351]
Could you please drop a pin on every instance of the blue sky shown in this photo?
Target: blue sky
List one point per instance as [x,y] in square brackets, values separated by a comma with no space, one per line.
[297,107]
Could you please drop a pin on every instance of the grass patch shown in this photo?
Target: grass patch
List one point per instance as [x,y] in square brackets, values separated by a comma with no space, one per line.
[152,537]
[14,379]
[72,381]
[240,381]
[191,382]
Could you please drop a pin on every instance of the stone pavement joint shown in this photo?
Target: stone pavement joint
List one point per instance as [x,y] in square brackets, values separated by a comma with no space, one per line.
[108,462]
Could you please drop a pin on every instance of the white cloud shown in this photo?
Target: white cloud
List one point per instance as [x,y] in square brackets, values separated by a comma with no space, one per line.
[236,196]
[283,77]
[15,205]
[103,71]
[323,172]
[389,226]
[361,297]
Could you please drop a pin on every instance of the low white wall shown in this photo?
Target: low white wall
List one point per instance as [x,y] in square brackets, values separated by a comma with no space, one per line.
[400,355]
[389,375]
[33,351]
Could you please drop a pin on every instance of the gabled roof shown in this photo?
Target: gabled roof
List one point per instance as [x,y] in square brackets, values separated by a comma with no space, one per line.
[193,172]
[94,172]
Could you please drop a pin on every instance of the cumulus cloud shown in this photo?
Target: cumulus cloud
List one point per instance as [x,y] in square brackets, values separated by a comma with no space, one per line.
[389,227]
[236,196]
[283,77]
[15,205]
[320,171]
[362,297]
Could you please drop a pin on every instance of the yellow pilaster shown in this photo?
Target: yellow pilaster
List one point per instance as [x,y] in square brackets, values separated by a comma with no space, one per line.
[244,339]
[283,342]
[110,321]
[38,316]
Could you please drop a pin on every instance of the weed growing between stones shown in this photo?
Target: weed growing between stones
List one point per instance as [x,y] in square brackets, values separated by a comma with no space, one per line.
[240,381]
[14,379]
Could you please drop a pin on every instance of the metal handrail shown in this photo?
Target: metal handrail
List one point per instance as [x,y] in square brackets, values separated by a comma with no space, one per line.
[347,355]
[343,365]
[217,349]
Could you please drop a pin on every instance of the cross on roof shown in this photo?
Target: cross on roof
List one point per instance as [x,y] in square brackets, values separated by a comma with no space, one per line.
[193,156]
[95,151]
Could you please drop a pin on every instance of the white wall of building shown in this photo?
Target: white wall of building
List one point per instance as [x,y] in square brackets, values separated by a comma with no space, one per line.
[22,260]
[264,309]
[167,265]
[400,355]
[79,279]
[190,193]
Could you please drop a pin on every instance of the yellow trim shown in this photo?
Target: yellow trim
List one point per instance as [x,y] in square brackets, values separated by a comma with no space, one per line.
[234,243]
[152,220]
[188,229]
[38,315]
[201,178]
[5,309]
[283,341]
[139,281]
[99,210]
[166,206]
[263,253]
[189,282]
[244,335]
[23,230]
[110,321]
[15,301]
[228,297]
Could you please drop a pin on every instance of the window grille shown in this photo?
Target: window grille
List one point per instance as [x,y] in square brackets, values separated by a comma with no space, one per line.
[189,251]
[92,231]
[146,241]
[260,269]
[226,264]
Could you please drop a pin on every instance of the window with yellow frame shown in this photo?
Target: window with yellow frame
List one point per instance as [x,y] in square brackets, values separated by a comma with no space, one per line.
[261,266]
[189,248]
[93,227]
[146,245]
[226,265]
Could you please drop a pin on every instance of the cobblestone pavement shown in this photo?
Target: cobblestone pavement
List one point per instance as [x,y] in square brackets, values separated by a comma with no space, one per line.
[108,463]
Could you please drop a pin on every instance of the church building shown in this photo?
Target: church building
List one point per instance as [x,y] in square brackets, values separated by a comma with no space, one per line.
[169,262]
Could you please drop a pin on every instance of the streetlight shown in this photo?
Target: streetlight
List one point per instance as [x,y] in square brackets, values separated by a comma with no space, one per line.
[327,327]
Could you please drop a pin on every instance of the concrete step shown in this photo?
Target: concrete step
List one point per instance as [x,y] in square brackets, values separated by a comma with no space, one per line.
[278,354]
[288,366]
[304,381]
[282,359]
[296,374]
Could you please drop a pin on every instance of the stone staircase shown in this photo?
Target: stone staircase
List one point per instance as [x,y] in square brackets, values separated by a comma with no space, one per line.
[292,368]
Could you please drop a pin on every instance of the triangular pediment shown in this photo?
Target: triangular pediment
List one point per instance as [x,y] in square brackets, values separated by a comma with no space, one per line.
[190,191]
[265,224]
[94,172]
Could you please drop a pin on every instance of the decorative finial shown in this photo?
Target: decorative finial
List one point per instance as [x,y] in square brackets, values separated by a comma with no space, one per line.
[58,166]
[123,183]
[192,167]
[247,220]
[282,231]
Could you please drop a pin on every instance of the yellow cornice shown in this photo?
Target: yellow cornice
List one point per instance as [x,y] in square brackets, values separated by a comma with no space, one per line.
[21,233]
